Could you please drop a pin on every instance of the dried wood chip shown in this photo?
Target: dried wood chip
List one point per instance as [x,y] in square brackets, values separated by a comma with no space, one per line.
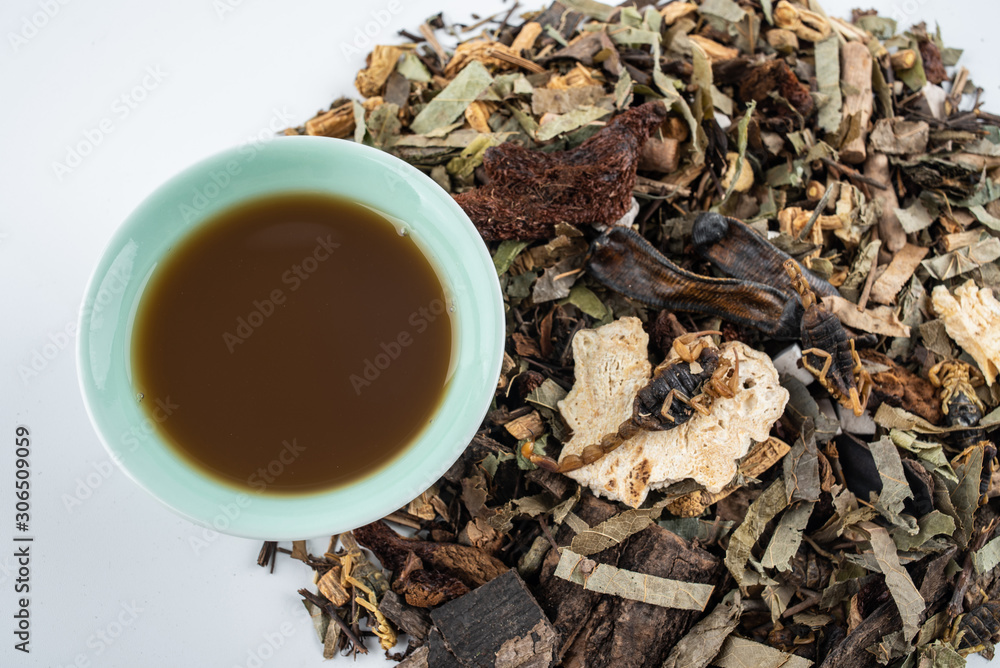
[898,273]
[879,320]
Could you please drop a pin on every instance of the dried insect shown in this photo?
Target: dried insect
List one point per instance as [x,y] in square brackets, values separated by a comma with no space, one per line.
[826,343]
[961,407]
[679,388]
[974,631]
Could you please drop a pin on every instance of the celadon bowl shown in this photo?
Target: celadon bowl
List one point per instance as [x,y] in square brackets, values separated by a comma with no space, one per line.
[290,164]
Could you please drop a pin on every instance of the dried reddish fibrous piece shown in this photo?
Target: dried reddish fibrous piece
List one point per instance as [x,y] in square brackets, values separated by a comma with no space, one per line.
[426,589]
[898,386]
[933,67]
[776,75]
[530,191]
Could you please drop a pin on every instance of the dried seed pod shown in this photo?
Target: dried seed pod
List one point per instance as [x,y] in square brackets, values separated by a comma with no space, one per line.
[530,191]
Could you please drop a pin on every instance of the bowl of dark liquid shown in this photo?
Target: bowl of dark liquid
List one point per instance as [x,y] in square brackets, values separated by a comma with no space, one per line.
[291,341]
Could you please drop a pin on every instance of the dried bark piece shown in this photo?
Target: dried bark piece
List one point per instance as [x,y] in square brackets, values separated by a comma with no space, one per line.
[897,136]
[468,564]
[629,634]
[530,191]
[413,621]
[973,321]
[890,229]
[499,625]
[568,605]
[611,366]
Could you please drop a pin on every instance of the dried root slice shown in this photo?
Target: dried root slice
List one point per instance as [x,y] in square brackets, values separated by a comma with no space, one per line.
[611,368]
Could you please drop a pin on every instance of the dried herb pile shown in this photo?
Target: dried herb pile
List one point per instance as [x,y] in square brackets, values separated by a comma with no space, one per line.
[860,149]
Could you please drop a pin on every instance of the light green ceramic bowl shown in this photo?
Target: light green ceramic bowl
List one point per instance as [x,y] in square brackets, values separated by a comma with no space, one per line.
[289,164]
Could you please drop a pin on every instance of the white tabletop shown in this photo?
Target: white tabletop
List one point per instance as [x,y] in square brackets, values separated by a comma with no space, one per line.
[104,101]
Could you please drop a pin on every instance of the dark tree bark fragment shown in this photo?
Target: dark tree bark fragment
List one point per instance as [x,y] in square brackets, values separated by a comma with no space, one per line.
[629,634]
[776,76]
[413,621]
[569,605]
[530,191]
[498,624]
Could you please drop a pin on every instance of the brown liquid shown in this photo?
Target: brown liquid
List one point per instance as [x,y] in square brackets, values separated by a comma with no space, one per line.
[292,344]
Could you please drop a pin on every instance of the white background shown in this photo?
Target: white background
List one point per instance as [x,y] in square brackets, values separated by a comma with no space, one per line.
[228,71]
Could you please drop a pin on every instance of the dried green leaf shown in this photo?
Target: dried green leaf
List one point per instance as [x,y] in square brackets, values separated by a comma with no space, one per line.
[931,455]
[768,8]
[462,165]
[724,9]
[703,642]
[562,123]
[547,395]
[915,78]
[963,260]
[411,68]
[880,26]
[562,511]
[585,300]
[908,600]
[506,253]
[614,530]
[565,100]
[692,528]
[777,597]
[936,655]
[741,143]
[493,461]
[623,91]
[384,126]
[591,8]
[828,78]
[764,508]
[787,537]
[606,579]
[895,490]
[987,557]
[915,217]
[965,495]
[452,102]
[739,652]
[801,466]
[860,268]
[934,523]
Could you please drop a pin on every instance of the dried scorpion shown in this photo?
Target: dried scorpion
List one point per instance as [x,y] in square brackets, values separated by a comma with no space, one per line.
[678,389]
[783,307]
[824,337]
[973,632]
[961,407]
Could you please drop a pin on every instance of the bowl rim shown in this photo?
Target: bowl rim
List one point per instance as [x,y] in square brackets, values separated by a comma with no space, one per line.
[305,520]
